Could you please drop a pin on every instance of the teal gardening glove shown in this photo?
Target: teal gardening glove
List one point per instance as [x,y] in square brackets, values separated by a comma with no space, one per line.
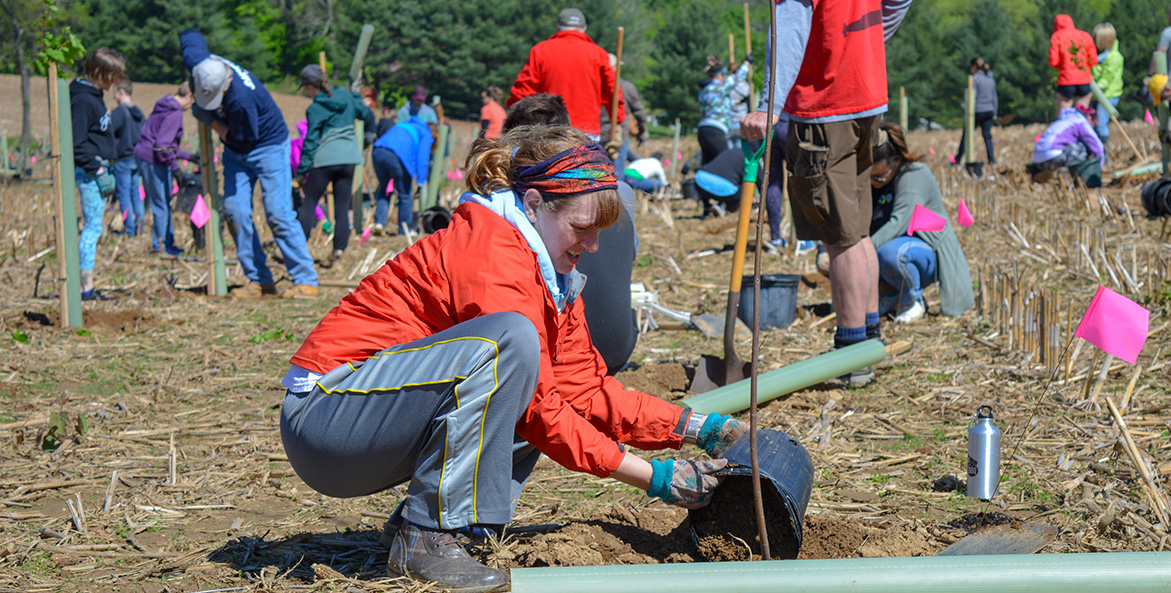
[105,182]
[718,433]
[685,483]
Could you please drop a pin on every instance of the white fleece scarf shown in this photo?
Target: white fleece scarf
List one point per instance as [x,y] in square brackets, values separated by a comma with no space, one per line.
[506,203]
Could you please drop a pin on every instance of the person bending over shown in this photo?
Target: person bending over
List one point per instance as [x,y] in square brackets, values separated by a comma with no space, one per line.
[1069,142]
[908,264]
[466,357]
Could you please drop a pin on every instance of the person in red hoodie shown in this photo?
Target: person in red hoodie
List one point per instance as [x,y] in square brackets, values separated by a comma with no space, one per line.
[571,65]
[1072,53]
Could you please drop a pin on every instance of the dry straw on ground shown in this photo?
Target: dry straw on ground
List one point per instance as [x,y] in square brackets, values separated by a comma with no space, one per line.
[176,479]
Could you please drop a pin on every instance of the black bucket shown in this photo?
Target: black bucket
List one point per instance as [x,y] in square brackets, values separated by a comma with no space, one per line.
[434,218]
[778,300]
[786,481]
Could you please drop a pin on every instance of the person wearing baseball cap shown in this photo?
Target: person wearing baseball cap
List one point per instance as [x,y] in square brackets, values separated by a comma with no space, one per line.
[571,65]
[418,106]
[234,103]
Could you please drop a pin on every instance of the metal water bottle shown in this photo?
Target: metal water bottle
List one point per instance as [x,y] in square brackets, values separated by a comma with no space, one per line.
[983,455]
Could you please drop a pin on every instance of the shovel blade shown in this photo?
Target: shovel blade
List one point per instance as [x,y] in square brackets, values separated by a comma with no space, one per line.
[712,373]
[1025,538]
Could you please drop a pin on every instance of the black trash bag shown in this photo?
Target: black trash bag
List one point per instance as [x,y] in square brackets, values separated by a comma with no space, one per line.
[1156,197]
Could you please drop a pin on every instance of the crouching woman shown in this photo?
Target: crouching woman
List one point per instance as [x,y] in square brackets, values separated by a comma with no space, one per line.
[467,356]
[908,264]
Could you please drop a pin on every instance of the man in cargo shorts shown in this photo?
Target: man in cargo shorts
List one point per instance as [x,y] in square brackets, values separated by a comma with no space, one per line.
[830,61]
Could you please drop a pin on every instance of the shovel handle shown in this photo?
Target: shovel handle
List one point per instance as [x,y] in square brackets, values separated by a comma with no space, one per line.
[747,191]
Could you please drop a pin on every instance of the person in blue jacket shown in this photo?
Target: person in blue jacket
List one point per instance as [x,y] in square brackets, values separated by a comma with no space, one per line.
[402,154]
[234,103]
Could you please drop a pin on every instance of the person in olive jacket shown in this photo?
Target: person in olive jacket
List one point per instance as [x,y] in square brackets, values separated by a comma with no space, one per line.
[329,154]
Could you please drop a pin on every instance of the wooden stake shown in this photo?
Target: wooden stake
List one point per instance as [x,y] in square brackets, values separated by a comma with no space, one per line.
[1138,369]
[1090,375]
[615,129]
[1158,502]
[68,260]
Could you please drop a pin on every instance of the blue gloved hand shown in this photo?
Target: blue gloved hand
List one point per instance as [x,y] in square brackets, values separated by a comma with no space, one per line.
[719,432]
[105,183]
[685,483]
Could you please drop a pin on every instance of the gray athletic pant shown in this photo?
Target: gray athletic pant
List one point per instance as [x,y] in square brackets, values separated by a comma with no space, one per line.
[440,412]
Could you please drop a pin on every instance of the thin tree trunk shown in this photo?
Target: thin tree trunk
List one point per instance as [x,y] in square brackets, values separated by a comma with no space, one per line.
[26,124]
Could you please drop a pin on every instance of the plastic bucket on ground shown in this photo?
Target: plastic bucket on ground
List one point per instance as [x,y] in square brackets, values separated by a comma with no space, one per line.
[778,300]
[434,218]
[786,481]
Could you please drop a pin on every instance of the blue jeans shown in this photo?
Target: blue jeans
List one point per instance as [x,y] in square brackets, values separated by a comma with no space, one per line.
[93,205]
[649,186]
[622,158]
[907,264]
[156,179]
[1103,128]
[270,165]
[126,179]
[387,166]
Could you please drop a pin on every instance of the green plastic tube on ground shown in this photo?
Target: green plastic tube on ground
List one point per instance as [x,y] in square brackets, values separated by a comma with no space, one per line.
[1133,572]
[799,375]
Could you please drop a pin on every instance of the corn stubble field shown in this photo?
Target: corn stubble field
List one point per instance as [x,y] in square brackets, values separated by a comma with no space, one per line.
[142,453]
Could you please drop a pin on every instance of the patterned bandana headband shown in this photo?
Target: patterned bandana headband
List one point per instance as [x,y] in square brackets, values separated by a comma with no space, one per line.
[581,169]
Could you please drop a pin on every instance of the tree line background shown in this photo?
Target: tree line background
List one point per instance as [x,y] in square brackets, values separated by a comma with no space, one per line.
[457,47]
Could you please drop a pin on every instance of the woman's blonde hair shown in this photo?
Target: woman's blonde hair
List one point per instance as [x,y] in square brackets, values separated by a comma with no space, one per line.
[492,166]
[1104,36]
[105,67]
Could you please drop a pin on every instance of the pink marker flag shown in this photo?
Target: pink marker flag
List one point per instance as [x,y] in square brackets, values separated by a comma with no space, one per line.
[141,192]
[451,175]
[34,159]
[923,219]
[125,213]
[951,157]
[365,235]
[389,186]
[319,213]
[199,212]
[932,150]
[1148,118]
[679,156]
[459,174]
[1115,324]
[964,218]
[215,159]
[174,188]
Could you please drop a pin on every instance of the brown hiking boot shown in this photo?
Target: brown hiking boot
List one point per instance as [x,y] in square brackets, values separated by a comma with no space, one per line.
[252,291]
[301,291]
[436,556]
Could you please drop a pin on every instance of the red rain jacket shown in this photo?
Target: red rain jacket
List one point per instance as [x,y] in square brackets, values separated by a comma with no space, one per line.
[1072,52]
[478,265]
[571,65]
[844,67]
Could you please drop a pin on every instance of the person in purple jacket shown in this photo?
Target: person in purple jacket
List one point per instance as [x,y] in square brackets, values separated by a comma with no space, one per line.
[158,154]
[1069,142]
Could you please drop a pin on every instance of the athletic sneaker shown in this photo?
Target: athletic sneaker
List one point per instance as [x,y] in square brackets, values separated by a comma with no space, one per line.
[853,379]
[915,311]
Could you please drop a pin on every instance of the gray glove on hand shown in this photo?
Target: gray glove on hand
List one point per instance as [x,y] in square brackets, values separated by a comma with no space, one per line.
[685,483]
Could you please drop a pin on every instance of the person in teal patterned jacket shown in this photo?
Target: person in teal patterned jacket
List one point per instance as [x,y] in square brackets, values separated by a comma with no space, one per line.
[715,106]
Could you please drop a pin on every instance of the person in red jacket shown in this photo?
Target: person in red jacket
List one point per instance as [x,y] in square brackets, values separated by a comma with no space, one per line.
[571,65]
[467,356]
[1072,53]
